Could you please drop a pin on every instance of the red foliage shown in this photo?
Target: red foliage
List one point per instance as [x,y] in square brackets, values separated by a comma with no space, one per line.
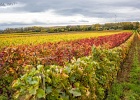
[56,53]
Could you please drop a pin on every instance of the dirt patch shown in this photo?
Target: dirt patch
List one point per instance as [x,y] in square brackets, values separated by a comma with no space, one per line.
[123,74]
[138,49]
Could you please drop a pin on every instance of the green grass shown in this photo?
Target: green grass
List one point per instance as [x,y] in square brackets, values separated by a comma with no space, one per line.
[116,92]
[133,88]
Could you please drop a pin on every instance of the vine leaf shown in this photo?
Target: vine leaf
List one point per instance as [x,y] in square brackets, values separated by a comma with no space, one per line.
[49,89]
[40,93]
[75,92]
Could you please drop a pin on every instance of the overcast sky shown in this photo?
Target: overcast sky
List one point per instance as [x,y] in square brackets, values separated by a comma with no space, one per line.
[21,13]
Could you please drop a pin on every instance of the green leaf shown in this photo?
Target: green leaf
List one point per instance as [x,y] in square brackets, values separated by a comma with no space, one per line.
[72,79]
[29,79]
[48,80]
[101,91]
[16,83]
[60,99]
[75,92]
[16,95]
[39,67]
[40,93]
[32,90]
[77,84]
[49,89]
[68,70]
[34,82]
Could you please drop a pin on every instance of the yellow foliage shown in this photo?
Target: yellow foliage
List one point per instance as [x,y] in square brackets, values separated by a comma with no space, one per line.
[28,38]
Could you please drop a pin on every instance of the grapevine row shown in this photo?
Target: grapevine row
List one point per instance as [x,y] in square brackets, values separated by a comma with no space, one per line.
[86,78]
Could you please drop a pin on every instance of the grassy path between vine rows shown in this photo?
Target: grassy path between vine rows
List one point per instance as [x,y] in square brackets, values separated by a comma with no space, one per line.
[127,85]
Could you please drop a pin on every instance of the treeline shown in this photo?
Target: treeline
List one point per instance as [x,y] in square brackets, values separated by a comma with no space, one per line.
[94,27]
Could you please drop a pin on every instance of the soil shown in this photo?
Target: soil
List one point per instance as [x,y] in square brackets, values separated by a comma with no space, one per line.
[123,74]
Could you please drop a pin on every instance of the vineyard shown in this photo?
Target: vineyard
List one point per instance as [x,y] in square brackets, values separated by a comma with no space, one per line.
[31,38]
[65,67]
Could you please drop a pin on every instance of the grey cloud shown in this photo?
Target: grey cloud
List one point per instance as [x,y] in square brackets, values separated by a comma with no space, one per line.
[88,8]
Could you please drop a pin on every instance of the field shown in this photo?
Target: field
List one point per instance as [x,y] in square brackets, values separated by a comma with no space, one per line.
[66,66]
[33,38]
